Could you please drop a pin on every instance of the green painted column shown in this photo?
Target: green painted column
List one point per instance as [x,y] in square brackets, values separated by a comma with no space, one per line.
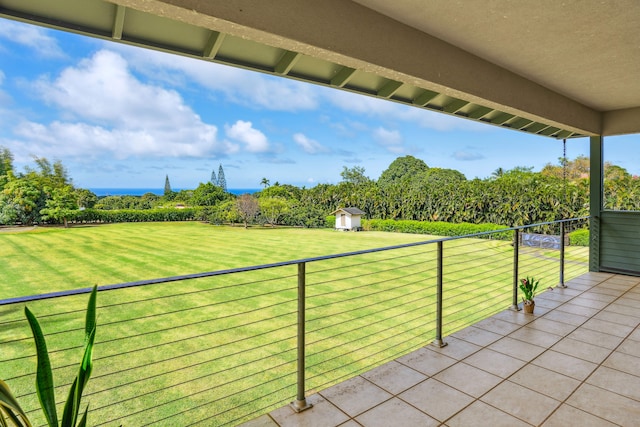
[596,183]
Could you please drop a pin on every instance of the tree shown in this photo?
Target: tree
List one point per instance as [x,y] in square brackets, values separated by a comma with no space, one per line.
[272,208]
[213,180]
[264,182]
[85,198]
[167,186]
[61,205]
[6,166]
[21,201]
[354,175]
[222,182]
[248,208]
[207,195]
[402,169]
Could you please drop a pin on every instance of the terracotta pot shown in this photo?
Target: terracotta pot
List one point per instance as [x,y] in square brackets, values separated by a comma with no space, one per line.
[528,306]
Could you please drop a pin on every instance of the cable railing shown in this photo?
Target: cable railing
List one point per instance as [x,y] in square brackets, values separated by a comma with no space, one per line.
[223,347]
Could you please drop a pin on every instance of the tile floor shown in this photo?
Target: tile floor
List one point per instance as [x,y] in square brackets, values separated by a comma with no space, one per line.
[575,362]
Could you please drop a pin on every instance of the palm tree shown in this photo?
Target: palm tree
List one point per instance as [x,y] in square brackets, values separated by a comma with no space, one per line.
[264,182]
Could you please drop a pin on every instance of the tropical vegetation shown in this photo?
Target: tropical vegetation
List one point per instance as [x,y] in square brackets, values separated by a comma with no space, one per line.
[407,190]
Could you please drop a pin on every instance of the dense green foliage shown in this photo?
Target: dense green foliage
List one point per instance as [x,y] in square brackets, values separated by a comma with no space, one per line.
[407,190]
[437,228]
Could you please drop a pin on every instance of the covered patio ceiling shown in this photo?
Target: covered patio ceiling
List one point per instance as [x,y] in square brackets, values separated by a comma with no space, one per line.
[561,69]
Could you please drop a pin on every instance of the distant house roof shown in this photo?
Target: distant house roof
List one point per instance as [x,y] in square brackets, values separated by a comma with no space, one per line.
[352,211]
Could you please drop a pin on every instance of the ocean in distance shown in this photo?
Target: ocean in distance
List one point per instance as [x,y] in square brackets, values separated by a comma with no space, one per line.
[101,192]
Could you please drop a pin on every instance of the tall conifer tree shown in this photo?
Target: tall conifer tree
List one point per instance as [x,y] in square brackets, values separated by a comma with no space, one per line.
[222,182]
[167,186]
[214,181]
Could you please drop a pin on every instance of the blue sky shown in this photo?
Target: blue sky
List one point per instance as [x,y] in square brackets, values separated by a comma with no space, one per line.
[124,117]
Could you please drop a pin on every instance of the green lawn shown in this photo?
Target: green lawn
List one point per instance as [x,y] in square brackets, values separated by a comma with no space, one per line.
[215,351]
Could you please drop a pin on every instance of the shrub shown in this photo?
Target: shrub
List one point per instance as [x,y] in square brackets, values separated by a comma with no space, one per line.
[579,238]
[436,228]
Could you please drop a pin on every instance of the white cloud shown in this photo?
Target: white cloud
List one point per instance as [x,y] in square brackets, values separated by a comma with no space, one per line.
[33,37]
[309,145]
[247,88]
[108,111]
[254,140]
[390,139]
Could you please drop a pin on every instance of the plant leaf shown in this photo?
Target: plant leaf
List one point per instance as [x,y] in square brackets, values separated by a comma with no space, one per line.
[10,406]
[83,420]
[44,376]
[72,406]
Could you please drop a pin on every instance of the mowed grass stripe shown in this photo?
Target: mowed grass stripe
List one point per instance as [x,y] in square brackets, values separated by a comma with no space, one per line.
[223,347]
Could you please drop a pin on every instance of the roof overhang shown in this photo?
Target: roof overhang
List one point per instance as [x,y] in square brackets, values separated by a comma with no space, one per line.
[558,69]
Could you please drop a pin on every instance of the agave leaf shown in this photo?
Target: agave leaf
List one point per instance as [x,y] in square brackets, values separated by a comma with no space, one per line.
[72,406]
[44,376]
[10,406]
[83,420]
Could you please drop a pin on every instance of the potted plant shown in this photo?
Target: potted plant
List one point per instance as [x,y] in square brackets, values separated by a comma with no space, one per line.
[528,286]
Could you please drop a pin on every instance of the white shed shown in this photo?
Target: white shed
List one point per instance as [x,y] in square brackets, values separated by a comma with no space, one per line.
[348,219]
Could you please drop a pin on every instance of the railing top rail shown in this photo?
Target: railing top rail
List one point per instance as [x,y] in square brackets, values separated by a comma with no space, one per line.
[161,280]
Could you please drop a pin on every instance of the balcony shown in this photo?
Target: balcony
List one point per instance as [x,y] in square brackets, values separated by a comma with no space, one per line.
[575,361]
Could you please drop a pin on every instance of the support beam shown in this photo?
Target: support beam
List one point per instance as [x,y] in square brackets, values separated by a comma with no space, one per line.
[342,77]
[389,89]
[479,112]
[118,23]
[213,45]
[596,196]
[454,106]
[286,63]
[424,98]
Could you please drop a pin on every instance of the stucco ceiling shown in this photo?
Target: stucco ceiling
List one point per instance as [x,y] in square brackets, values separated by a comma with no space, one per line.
[555,68]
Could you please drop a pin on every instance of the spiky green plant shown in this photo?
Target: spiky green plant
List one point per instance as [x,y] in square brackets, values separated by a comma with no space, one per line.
[528,286]
[10,411]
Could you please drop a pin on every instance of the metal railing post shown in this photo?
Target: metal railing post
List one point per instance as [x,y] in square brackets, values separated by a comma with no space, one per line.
[300,404]
[516,246]
[562,231]
[438,342]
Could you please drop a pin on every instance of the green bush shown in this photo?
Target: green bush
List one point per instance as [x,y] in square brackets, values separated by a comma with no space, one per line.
[579,238]
[436,228]
[136,215]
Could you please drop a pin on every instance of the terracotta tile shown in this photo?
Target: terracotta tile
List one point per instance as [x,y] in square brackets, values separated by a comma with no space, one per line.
[618,382]
[436,399]
[263,421]
[521,402]
[623,362]
[605,404]
[512,316]
[477,336]
[608,327]
[394,412]
[479,414]
[552,327]
[630,347]
[322,414]
[624,309]
[394,377]
[468,379]
[578,309]
[582,350]
[456,348]
[495,363]
[596,338]
[496,325]
[535,336]
[355,396]
[585,301]
[567,415]
[568,318]
[566,365]
[545,381]
[516,348]
[426,361]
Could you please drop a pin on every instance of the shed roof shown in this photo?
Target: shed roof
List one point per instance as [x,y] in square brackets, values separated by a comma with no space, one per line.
[350,211]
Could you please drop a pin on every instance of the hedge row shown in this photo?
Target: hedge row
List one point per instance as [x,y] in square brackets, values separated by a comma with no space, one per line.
[135,215]
[436,228]
[579,238]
